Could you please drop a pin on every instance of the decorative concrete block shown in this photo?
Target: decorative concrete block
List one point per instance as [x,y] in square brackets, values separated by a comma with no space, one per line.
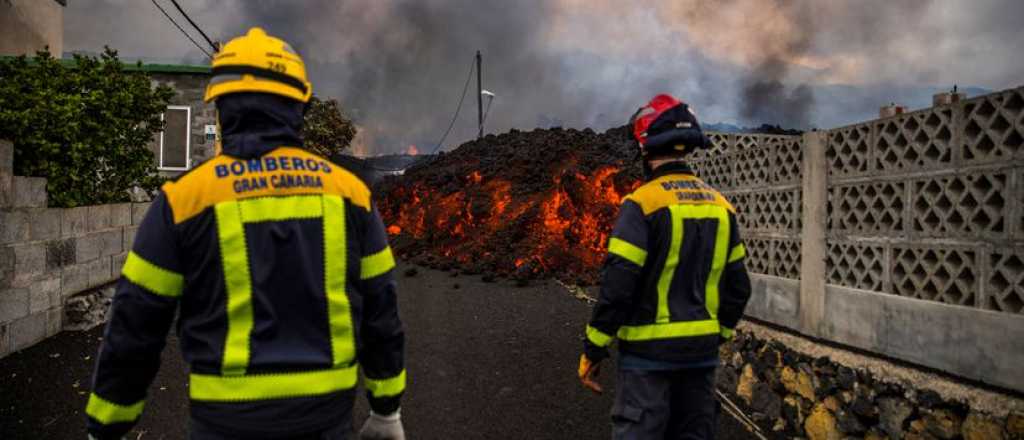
[44,224]
[121,214]
[99,217]
[13,304]
[74,221]
[13,226]
[60,253]
[29,330]
[28,192]
[73,279]
[129,237]
[139,212]
[44,294]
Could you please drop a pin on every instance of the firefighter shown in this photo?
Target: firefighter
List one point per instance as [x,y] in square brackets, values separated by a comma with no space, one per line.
[278,268]
[673,287]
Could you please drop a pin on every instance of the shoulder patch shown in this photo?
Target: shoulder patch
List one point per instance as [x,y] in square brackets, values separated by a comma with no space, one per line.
[281,172]
[676,189]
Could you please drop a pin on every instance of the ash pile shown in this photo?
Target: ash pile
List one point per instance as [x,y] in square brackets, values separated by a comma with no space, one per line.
[524,205]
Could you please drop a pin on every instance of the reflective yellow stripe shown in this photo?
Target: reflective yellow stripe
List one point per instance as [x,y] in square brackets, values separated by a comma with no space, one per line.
[152,277]
[717,261]
[107,412]
[597,337]
[737,253]
[386,387]
[665,280]
[339,312]
[231,234]
[376,264]
[670,330]
[211,388]
[727,333]
[627,250]
[272,209]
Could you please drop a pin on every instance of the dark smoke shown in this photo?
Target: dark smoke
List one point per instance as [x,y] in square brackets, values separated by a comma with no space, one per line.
[398,65]
[765,99]
[400,69]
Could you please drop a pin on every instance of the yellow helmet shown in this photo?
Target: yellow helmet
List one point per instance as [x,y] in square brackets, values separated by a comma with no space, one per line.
[257,62]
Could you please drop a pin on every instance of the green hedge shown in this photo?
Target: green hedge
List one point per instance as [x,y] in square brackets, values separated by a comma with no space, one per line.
[85,128]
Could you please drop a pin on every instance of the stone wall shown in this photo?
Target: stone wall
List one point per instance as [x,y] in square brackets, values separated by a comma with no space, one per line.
[48,255]
[903,236]
[795,388]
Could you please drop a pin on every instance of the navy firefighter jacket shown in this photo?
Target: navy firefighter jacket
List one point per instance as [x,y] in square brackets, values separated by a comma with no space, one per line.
[673,282]
[277,265]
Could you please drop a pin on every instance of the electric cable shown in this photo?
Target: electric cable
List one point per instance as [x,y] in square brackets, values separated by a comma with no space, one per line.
[487,110]
[208,40]
[180,29]
[455,117]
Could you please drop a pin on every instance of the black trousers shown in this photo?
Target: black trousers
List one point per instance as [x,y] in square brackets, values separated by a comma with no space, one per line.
[674,405]
[200,431]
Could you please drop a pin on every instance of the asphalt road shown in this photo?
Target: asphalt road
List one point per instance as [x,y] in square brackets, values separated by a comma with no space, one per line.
[485,361]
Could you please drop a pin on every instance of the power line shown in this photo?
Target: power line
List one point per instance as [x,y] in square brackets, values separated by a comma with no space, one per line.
[465,87]
[208,40]
[180,29]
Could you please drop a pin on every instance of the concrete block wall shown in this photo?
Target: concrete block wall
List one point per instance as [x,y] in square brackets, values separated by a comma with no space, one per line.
[761,175]
[48,255]
[928,204]
[908,235]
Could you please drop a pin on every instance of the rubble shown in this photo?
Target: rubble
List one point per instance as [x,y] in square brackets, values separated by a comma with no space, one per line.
[88,309]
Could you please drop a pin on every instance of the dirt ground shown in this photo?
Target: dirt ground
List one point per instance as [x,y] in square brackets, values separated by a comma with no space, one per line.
[485,361]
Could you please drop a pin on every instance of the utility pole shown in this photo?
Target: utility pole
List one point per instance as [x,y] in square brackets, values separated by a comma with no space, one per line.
[479,96]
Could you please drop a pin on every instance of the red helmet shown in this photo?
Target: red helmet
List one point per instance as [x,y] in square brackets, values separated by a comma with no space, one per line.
[667,125]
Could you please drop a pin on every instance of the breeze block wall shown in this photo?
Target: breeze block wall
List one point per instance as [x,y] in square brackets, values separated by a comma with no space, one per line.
[761,176]
[902,236]
[50,255]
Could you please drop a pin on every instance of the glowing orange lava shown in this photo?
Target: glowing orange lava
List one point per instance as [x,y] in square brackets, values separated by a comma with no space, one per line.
[495,225]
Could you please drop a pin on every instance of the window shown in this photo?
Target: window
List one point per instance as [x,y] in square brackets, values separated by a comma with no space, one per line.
[176,139]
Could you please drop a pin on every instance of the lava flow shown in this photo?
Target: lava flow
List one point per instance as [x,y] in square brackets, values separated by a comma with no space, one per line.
[523,204]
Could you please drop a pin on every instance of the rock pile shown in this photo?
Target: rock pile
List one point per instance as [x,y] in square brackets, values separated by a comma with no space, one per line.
[88,309]
[794,395]
[520,204]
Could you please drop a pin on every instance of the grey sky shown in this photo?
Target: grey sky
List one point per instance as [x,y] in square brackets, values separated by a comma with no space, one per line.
[399,65]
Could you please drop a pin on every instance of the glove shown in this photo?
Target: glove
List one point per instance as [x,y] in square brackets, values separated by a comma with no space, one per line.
[378,427]
[588,373]
[726,335]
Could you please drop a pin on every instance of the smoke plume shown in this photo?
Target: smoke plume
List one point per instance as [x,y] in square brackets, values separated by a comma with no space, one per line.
[399,66]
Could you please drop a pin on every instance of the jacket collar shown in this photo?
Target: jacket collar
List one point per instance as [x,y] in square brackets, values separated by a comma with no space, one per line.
[674,167]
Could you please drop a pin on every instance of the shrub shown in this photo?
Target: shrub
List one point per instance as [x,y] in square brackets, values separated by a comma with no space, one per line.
[85,126]
[327,130]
